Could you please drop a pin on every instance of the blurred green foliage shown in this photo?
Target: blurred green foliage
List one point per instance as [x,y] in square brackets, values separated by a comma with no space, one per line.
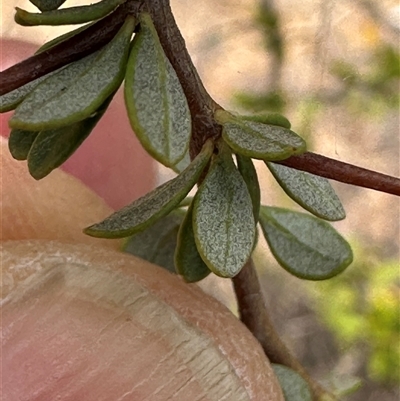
[361,308]
[377,89]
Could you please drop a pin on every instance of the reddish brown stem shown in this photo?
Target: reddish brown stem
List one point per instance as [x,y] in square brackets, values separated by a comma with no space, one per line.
[72,49]
[344,172]
[254,314]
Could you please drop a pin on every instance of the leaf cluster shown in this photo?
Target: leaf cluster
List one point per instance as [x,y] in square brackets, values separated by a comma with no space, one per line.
[217,232]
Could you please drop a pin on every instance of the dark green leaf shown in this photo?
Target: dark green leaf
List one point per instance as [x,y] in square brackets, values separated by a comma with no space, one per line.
[67,16]
[156,104]
[294,387]
[223,220]
[78,90]
[52,148]
[146,210]
[304,245]
[188,261]
[47,5]
[257,140]
[310,191]
[249,174]
[157,243]
[20,143]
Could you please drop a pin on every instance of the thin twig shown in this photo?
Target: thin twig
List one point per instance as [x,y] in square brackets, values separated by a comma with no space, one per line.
[344,172]
[72,49]
[254,314]
[201,105]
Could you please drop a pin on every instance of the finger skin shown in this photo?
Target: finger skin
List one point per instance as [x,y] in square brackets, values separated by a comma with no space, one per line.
[83,323]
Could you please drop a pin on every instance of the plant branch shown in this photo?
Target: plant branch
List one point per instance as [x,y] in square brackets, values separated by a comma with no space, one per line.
[343,172]
[253,313]
[201,105]
[72,49]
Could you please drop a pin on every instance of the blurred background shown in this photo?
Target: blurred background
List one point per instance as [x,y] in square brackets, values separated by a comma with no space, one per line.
[332,68]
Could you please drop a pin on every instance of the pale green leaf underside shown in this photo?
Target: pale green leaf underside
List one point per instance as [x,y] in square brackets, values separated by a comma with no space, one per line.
[78,90]
[156,104]
[294,387]
[261,141]
[182,164]
[304,245]
[67,16]
[249,174]
[52,148]
[146,210]
[20,143]
[47,5]
[158,242]
[310,191]
[223,219]
[188,261]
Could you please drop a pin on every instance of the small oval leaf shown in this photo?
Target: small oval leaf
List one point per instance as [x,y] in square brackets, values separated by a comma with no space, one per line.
[47,5]
[67,16]
[158,242]
[271,119]
[78,90]
[156,104]
[310,191]
[304,245]
[12,99]
[63,38]
[146,210]
[20,143]
[249,174]
[257,140]
[181,165]
[188,261]
[294,387]
[52,148]
[223,221]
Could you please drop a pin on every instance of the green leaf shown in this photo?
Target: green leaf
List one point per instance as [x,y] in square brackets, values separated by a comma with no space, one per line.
[156,104]
[271,119]
[12,99]
[158,242]
[52,148]
[78,90]
[47,5]
[63,38]
[67,16]
[146,210]
[257,140]
[249,174]
[304,245]
[188,261]
[223,221]
[310,191]
[294,387]
[20,143]
[181,165]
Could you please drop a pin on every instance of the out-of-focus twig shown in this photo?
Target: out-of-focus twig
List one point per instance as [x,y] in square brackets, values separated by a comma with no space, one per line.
[254,314]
